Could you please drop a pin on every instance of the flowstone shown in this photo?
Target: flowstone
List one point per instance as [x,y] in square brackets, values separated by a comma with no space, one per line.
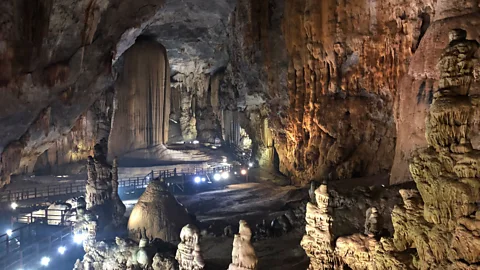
[243,253]
[157,214]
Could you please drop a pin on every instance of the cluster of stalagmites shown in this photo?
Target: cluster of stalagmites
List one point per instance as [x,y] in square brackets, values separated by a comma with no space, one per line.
[156,220]
[438,226]
[151,255]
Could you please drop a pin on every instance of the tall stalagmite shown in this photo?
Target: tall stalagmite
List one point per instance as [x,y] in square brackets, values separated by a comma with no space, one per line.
[141,118]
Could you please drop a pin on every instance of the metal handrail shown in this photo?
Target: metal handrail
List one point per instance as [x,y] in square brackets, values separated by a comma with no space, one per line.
[34,251]
[65,189]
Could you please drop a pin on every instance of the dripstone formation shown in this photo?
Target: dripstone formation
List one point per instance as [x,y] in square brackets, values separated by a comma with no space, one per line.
[243,254]
[125,254]
[318,239]
[102,190]
[445,228]
[438,226]
[189,255]
[157,214]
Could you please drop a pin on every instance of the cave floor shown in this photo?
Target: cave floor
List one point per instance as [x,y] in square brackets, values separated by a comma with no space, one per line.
[251,202]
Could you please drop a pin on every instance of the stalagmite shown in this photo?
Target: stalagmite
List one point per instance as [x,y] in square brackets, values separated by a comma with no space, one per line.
[101,194]
[189,255]
[446,173]
[243,254]
[318,239]
[372,222]
[142,113]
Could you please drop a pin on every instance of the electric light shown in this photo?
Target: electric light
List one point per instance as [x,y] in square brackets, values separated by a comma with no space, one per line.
[225,175]
[250,164]
[196,142]
[45,261]
[9,232]
[197,179]
[235,172]
[62,250]
[217,177]
[14,205]
[78,238]
[204,179]
[243,172]
[225,160]
[243,154]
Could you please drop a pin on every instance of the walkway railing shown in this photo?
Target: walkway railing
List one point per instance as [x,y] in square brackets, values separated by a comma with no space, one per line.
[22,247]
[15,195]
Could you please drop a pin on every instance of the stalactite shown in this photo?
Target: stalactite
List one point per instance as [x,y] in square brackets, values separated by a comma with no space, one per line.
[143,99]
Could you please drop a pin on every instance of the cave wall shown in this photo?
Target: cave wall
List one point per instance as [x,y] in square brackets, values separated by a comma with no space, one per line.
[257,74]
[340,78]
[69,153]
[200,106]
[56,60]
[142,111]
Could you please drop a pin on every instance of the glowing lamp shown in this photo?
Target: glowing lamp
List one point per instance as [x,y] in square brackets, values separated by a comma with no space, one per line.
[45,261]
[78,238]
[62,250]
[217,177]
[14,205]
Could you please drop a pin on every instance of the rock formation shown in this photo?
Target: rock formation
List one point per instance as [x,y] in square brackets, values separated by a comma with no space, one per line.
[157,214]
[372,222]
[125,254]
[189,255]
[318,239]
[142,112]
[243,253]
[437,227]
[444,228]
[102,190]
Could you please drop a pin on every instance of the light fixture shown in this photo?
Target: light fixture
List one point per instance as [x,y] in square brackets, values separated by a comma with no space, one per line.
[225,175]
[217,177]
[234,172]
[45,261]
[78,238]
[243,154]
[197,179]
[250,164]
[196,142]
[9,232]
[62,250]
[224,160]
[204,179]
[243,171]
[14,205]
